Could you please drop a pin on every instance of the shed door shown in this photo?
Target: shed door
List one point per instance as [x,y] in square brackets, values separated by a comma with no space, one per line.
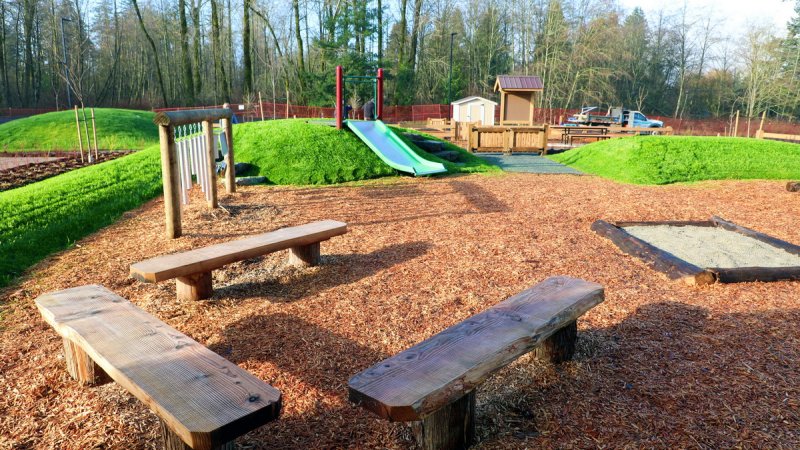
[475,113]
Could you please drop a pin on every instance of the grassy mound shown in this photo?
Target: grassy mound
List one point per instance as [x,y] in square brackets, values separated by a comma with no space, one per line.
[295,152]
[674,159]
[48,216]
[116,129]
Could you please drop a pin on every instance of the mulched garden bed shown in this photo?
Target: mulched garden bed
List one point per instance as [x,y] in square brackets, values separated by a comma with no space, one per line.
[659,364]
[28,173]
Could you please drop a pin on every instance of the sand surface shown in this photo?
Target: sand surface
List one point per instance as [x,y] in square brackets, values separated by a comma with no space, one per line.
[714,247]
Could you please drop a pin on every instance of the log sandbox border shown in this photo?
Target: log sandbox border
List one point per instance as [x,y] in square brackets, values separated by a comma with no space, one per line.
[679,269]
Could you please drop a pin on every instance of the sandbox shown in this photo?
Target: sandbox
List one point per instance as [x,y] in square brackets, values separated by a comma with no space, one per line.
[705,252]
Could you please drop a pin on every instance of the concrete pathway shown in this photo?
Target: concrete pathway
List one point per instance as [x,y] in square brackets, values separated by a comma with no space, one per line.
[528,163]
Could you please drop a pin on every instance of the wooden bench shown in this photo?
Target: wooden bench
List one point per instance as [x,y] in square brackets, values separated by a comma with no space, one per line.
[599,137]
[192,269]
[433,383]
[202,400]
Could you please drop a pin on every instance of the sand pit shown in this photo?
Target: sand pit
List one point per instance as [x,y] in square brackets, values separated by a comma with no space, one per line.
[713,246]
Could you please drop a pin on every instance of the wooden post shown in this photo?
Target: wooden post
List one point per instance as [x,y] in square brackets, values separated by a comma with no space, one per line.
[508,140]
[94,132]
[197,286]
[760,132]
[261,105]
[736,125]
[78,126]
[543,138]
[208,131]
[230,162]
[502,107]
[560,346]
[304,255]
[451,427]
[172,181]
[81,367]
[86,130]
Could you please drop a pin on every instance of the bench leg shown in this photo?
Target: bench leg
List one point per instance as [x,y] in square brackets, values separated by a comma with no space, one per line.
[81,367]
[194,287]
[560,346]
[451,427]
[304,255]
[173,442]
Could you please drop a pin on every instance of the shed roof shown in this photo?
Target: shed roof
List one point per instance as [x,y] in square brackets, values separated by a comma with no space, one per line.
[472,98]
[518,83]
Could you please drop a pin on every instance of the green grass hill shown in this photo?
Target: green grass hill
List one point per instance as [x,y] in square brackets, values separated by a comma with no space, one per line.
[295,152]
[117,129]
[675,159]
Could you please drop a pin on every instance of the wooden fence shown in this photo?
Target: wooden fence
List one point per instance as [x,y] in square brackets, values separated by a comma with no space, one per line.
[508,139]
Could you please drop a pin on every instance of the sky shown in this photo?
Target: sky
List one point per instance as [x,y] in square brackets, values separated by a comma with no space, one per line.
[736,14]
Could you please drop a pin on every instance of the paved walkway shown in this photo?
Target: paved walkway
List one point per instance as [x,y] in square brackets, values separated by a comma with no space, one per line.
[529,163]
[16,161]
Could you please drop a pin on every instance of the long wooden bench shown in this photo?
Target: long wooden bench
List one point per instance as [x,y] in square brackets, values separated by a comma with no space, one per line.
[192,269]
[433,383]
[202,400]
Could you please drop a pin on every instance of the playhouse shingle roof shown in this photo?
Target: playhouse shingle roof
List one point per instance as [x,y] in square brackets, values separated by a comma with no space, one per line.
[527,82]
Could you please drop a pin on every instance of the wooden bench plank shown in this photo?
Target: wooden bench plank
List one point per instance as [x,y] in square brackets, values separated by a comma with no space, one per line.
[213,257]
[205,399]
[440,370]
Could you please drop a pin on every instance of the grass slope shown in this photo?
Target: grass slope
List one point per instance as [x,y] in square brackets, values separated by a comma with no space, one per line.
[674,159]
[116,129]
[48,216]
[295,152]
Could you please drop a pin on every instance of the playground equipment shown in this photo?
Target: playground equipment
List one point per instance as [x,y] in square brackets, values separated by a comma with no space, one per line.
[194,157]
[378,137]
[198,154]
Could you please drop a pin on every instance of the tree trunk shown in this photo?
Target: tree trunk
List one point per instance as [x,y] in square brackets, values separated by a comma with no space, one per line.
[298,36]
[155,52]
[380,32]
[198,80]
[188,81]
[246,61]
[29,8]
[412,57]
[215,45]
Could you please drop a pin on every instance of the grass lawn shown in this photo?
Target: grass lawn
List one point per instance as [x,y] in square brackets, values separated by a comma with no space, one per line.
[48,216]
[295,152]
[116,129]
[674,159]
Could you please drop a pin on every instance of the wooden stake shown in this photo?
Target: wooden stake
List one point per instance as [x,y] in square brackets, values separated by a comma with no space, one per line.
[736,125]
[261,105]
[94,131]
[78,126]
[86,130]
[760,132]
[172,181]
[208,131]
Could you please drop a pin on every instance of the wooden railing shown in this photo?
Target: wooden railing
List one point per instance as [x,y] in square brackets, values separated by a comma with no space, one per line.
[508,139]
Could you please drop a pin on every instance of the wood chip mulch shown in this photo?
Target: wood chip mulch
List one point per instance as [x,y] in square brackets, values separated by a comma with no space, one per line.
[660,364]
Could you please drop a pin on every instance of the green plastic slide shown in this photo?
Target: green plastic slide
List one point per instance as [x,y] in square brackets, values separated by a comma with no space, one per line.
[391,149]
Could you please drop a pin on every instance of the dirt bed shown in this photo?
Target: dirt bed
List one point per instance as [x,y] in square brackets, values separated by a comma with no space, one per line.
[17,171]
[659,365]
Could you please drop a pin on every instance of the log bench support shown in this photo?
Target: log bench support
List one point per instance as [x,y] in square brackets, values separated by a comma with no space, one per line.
[304,255]
[194,287]
[192,269]
[433,383]
[82,367]
[202,401]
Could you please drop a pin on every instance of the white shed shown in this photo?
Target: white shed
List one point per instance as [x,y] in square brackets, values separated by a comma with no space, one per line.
[474,109]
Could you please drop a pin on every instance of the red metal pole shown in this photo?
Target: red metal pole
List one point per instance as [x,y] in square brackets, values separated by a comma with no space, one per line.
[339,97]
[379,100]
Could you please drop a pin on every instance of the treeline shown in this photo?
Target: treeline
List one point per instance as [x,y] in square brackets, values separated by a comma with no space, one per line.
[149,53]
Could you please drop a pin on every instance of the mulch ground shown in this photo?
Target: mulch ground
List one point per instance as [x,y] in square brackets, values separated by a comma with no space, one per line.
[660,364]
[19,170]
